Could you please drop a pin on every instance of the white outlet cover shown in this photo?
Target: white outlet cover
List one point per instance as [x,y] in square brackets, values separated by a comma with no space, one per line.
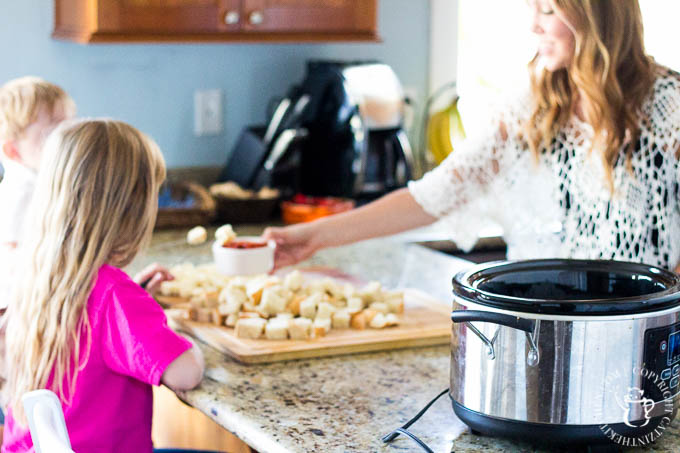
[207,112]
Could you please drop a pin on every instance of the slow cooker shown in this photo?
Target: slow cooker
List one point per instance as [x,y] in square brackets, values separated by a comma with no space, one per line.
[566,351]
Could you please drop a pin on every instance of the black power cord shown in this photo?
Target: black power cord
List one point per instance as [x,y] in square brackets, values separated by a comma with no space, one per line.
[404,429]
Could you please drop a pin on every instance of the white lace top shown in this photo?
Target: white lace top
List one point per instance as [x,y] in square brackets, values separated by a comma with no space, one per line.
[562,207]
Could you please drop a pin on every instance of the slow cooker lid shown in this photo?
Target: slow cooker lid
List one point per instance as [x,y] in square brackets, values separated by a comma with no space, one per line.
[570,287]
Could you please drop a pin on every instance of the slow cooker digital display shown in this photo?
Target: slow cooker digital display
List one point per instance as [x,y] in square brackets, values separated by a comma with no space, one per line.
[674,348]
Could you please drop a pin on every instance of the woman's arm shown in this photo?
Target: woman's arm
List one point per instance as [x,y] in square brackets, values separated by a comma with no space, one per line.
[395,212]
[391,214]
[186,371]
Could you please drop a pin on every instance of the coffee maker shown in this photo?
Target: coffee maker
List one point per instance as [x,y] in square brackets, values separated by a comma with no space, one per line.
[338,133]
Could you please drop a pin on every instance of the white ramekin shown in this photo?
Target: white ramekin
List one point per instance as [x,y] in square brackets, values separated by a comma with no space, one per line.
[232,261]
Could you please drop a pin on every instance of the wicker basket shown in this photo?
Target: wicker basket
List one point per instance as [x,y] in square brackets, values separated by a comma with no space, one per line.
[201,213]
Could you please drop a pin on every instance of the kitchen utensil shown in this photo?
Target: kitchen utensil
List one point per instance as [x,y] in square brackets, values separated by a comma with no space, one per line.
[339,133]
[566,351]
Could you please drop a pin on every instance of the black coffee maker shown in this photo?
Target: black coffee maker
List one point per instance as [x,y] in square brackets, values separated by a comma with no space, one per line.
[338,133]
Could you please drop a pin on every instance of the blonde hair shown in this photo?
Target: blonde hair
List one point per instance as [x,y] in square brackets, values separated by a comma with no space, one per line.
[609,57]
[95,202]
[21,101]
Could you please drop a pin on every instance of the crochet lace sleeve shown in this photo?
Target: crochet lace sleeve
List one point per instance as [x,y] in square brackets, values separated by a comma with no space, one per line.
[460,190]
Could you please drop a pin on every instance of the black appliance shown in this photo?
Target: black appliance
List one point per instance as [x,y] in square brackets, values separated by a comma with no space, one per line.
[339,133]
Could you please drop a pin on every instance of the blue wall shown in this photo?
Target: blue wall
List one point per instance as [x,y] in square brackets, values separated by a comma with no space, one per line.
[152,86]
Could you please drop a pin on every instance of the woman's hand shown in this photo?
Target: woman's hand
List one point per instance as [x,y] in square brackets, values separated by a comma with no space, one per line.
[294,243]
[151,277]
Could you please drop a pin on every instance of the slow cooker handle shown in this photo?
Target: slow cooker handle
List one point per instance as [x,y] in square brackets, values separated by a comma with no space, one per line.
[526,325]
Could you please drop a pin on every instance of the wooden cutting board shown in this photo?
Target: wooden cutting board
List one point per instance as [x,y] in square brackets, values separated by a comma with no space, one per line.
[425,322]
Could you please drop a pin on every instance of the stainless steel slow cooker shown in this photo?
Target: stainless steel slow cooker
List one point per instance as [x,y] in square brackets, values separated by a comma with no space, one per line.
[566,351]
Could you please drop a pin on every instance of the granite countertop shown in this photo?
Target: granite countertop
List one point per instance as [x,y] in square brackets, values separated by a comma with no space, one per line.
[345,403]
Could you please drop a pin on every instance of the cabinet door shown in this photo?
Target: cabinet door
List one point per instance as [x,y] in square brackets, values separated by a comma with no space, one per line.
[316,16]
[215,20]
[168,16]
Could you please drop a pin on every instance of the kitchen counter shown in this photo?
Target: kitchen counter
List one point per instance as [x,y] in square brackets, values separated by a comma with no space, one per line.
[345,403]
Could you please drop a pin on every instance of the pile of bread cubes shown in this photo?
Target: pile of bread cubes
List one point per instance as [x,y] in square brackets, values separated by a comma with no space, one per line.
[296,306]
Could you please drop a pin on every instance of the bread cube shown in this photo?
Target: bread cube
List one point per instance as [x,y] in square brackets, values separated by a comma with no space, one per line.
[251,328]
[272,301]
[170,288]
[300,328]
[370,314]
[294,304]
[358,321]
[285,315]
[378,321]
[190,314]
[320,327]
[340,319]
[249,314]
[257,284]
[197,235]
[231,320]
[391,320]
[294,280]
[276,329]
[225,233]
[371,292]
[325,310]
[204,315]
[217,317]
[333,289]
[186,289]
[238,282]
[355,304]
[348,291]
[232,299]
[309,304]
[380,307]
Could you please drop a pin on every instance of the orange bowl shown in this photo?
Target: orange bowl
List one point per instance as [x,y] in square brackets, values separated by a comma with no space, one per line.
[305,209]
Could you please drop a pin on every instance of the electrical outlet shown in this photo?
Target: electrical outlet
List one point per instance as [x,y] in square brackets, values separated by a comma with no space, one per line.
[207,112]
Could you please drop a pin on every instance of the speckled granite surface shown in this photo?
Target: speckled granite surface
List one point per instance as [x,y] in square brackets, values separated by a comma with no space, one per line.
[344,404]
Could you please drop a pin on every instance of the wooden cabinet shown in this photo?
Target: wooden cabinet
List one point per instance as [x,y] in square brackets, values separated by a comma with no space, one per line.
[90,21]
[176,425]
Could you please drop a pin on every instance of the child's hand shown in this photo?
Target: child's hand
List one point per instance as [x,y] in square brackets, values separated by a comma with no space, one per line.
[151,277]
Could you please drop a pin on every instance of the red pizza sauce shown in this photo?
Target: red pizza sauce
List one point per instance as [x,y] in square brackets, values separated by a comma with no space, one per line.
[244,244]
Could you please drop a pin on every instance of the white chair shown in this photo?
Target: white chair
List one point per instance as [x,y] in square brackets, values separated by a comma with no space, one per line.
[46,422]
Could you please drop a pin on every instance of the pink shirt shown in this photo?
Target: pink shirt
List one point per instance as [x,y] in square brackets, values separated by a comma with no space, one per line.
[131,347]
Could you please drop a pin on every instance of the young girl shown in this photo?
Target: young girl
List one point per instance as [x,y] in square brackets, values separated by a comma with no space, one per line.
[584,164]
[94,208]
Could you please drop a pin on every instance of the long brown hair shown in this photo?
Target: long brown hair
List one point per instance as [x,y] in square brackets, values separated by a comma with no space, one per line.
[95,202]
[611,71]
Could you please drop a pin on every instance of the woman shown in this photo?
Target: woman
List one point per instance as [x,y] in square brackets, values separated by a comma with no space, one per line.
[591,147]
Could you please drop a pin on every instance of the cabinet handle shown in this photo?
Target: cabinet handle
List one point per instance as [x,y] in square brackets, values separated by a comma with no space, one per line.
[231,17]
[256,18]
